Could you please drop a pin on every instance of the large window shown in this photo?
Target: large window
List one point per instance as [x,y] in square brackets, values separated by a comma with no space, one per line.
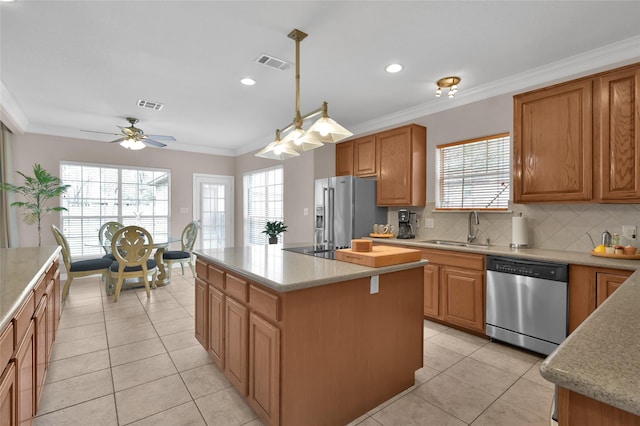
[263,202]
[103,193]
[474,174]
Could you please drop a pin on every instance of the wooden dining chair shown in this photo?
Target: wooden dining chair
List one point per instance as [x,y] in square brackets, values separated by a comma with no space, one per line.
[80,268]
[132,247]
[185,255]
[105,234]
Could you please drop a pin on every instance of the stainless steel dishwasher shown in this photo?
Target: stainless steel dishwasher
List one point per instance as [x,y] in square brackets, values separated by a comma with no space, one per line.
[527,303]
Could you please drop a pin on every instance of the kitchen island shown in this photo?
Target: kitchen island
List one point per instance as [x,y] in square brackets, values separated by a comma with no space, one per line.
[307,340]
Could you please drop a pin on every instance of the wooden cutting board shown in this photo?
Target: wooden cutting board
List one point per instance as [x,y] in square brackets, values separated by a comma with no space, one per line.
[379,256]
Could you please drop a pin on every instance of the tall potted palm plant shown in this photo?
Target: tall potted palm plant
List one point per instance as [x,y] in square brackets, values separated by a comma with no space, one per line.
[37,191]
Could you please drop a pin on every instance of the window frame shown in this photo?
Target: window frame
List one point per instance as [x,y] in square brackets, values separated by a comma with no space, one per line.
[260,238]
[506,168]
[87,245]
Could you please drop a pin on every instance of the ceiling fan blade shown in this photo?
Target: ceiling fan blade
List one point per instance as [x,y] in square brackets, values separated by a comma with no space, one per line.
[151,142]
[120,139]
[104,133]
[163,138]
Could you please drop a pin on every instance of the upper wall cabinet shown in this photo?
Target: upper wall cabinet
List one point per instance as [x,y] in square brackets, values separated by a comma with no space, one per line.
[552,144]
[578,141]
[357,157]
[397,157]
[618,134]
[402,166]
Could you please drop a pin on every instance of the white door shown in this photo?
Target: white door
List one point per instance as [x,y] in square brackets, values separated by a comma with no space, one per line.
[213,209]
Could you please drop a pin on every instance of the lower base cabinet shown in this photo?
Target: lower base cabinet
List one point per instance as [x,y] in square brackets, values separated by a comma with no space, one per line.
[25,374]
[589,287]
[264,365]
[216,318]
[577,409]
[8,395]
[236,341]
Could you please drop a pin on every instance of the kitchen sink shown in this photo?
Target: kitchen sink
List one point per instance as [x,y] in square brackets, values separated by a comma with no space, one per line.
[455,243]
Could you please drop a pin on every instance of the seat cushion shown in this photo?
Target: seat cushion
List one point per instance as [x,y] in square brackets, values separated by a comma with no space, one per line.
[176,254]
[90,264]
[109,256]
[150,265]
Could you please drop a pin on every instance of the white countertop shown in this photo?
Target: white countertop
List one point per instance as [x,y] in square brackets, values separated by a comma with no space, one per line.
[20,269]
[284,271]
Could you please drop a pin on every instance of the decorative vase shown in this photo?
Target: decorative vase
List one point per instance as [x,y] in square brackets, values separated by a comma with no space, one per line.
[273,240]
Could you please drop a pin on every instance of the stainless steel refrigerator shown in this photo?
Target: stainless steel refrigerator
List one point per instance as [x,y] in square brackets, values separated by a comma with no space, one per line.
[345,208]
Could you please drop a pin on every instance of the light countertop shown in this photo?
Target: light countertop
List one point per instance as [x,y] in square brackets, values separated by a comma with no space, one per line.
[284,271]
[20,269]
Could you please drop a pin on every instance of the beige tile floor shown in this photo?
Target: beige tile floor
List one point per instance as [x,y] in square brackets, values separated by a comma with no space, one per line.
[136,362]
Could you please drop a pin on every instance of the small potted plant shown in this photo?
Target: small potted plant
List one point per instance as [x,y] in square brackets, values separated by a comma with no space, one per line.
[273,229]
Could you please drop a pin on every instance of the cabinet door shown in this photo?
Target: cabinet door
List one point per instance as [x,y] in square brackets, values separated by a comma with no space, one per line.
[432,291]
[617,115]
[235,344]
[402,166]
[25,364]
[40,318]
[606,284]
[264,369]
[8,396]
[344,158]
[553,144]
[216,326]
[51,318]
[202,302]
[463,295]
[364,156]
[56,298]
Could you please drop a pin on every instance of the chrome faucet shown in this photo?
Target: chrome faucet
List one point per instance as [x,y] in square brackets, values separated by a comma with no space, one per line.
[471,236]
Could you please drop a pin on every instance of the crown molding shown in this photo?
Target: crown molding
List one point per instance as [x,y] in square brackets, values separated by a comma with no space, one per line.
[10,113]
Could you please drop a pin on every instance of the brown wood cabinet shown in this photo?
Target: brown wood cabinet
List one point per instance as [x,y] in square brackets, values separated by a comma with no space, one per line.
[8,395]
[357,157]
[216,326]
[553,139]
[402,170]
[397,157]
[293,354]
[577,409]
[579,141]
[454,288]
[201,310]
[588,287]
[617,124]
[25,375]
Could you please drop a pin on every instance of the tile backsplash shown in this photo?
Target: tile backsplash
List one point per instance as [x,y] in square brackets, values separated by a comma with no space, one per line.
[550,226]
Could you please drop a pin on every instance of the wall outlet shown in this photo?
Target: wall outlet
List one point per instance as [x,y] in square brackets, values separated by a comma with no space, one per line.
[629,231]
[428,223]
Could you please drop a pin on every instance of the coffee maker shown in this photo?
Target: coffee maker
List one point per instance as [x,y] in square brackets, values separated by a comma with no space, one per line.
[405,228]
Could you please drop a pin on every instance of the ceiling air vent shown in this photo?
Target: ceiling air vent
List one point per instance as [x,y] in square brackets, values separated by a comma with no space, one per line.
[156,106]
[272,62]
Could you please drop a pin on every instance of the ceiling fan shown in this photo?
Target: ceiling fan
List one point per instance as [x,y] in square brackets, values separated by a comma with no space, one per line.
[134,138]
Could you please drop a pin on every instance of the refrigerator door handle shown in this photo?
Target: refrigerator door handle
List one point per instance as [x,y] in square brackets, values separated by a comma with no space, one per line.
[330,216]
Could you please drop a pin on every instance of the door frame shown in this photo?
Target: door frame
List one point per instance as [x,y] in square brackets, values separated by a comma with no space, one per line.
[228,181]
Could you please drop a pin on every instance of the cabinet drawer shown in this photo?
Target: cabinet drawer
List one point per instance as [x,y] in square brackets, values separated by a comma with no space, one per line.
[6,345]
[40,288]
[264,303]
[22,319]
[237,288]
[454,258]
[216,277]
[201,269]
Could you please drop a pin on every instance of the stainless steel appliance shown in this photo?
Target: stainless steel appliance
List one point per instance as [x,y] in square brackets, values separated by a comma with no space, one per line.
[345,208]
[527,303]
[405,228]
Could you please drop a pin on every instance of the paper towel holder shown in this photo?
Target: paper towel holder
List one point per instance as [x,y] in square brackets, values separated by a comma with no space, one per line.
[519,245]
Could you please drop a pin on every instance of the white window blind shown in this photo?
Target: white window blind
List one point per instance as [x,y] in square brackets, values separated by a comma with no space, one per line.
[103,193]
[263,202]
[474,174]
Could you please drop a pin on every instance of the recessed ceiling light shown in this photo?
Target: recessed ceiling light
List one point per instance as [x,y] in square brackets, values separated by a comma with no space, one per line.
[7,1]
[248,81]
[393,68]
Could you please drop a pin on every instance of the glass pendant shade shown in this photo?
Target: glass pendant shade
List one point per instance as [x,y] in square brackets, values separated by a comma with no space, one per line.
[132,144]
[299,141]
[278,150]
[326,130]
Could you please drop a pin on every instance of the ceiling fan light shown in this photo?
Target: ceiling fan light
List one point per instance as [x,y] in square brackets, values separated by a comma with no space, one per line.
[136,145]
[438,92]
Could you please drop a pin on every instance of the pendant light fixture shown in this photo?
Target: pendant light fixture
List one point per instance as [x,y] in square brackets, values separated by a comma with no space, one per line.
[324,130]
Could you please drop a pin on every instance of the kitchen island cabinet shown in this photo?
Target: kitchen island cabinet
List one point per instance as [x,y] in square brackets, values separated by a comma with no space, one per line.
[302,334]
